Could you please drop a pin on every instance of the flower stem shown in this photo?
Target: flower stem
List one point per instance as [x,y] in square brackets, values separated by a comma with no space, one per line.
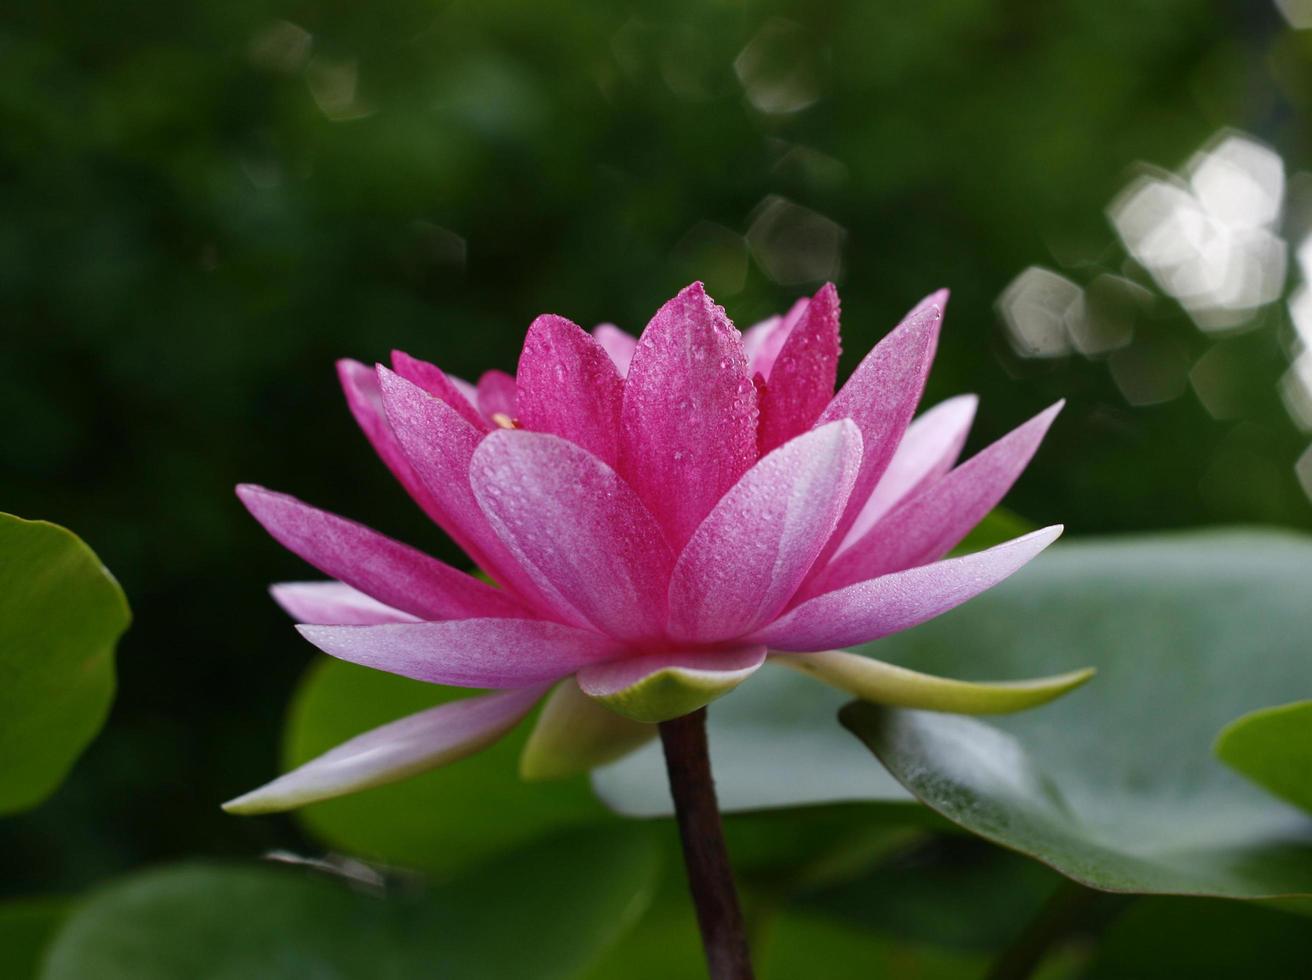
[710,877]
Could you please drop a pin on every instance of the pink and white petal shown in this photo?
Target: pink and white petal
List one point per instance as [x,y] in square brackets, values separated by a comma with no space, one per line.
[928,525]
[656,687]
[800,383]
[435,381]
[577,527]
[868,610]
[880,397]
[616,343]
[575,734]
[334,604]
[492,653]
[767,344]
[365,400]
[569,387]
[497,395]
[689,415]
[393,573]
[931,445]
[746,560]
[439,445]
[396,751]
[754,340]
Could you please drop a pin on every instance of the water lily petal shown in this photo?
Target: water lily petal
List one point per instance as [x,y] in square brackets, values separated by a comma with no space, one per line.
[577,527]
[763,342]
[928,525]
[393,573]
[569,387]
[434,380]
[393,752]
[656,687]
[617,343]
[497,395]
[689,415]
[439,444]
[931,445]
[881,396]
[365,400]
[884,683]
[800,381]
[575,734]
[745,561]
[492,653]
[333,604]
[868,610]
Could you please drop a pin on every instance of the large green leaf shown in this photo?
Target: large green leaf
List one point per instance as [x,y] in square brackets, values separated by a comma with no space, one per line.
[1273,747]
[439,821]
[61,613]
[1116,785]
[544,912]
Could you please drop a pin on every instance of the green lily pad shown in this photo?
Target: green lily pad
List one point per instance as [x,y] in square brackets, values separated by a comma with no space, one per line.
[439,821]
[61,613]
[1273,748]
[1115,785]
[544,912]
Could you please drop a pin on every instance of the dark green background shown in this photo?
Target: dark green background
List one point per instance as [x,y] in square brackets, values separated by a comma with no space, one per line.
[187,242]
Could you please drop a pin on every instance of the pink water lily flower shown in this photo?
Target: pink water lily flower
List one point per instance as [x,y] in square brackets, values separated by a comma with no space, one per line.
[660,515]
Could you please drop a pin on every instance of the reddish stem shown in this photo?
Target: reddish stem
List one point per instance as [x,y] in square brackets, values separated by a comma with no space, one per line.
[710,877]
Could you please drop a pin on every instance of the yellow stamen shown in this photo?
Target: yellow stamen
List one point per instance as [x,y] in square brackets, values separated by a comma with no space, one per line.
[504,420]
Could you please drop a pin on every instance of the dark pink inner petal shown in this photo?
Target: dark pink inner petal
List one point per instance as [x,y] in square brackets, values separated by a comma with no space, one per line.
[433,380]
[569,387]
[689,414]
[497,397]
[800,382]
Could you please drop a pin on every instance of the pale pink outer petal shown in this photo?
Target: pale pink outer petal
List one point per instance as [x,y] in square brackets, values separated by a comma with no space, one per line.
[333,604]
[569,387]
[493,653]
[496,395]
[927,526]
[746,560]
[880,397]
[931,445]
[434,380]
[393,573]
[868,610]
[689,416]
[439,444]
[768,338]
[365,400]
[469,391]
[572,522]
[414,744]
[754,340]
[800,383]
[617,343]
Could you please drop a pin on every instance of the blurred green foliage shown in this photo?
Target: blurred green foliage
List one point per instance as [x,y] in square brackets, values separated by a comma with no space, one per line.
[205,204]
